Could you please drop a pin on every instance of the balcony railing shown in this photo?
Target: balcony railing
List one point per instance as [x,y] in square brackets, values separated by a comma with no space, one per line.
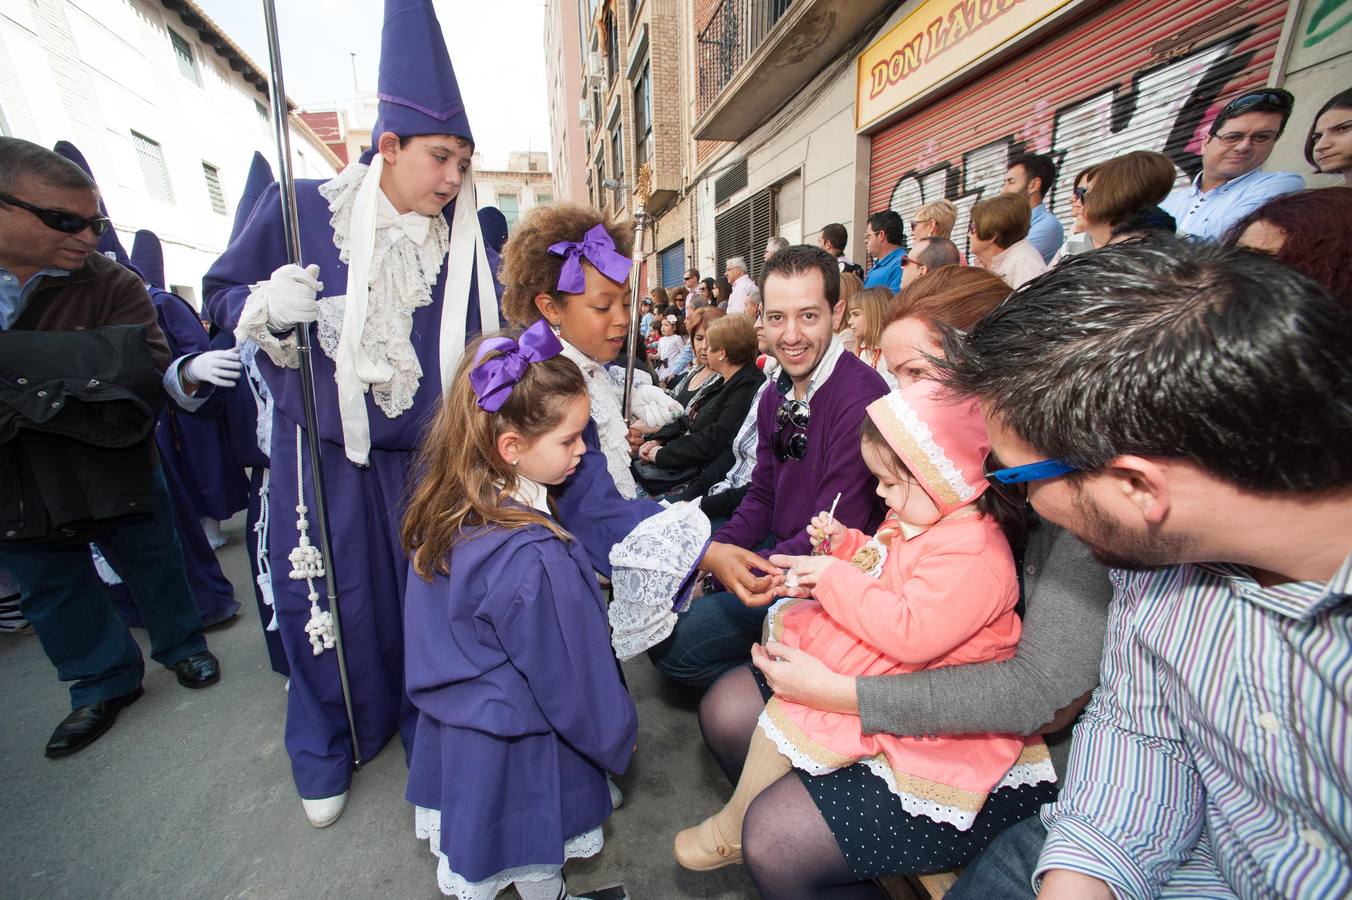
[736,30]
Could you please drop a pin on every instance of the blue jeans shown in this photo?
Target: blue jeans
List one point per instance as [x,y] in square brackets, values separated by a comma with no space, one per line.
[72,610]
[713,636]
[1005,869]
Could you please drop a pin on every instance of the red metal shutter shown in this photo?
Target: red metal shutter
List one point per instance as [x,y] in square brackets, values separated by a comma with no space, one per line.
[1132,75]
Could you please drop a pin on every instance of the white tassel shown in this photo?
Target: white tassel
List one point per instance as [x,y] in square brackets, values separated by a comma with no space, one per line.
[307,564]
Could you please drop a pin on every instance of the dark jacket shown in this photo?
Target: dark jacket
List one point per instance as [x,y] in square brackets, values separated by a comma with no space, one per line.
[707,443]
[78,403]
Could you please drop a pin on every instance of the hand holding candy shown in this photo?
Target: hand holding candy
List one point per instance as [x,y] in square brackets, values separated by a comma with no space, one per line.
[823,529]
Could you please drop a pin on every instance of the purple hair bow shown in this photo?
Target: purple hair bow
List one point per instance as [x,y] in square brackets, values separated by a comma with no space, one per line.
[493,380]
[597,248]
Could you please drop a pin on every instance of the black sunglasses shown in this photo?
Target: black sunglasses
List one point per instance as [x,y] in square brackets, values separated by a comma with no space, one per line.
[60,220]
[792,414]
[1239,105]
[1080,193]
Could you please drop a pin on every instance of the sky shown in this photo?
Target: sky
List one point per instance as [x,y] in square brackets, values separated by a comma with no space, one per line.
[495,48]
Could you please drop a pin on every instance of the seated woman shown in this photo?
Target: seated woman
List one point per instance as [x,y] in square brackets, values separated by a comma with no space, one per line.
[1307,231]
[1078,241]
[692,454]
[832,835]
[699,377]
[998,238]
[869,311]
[1122,201]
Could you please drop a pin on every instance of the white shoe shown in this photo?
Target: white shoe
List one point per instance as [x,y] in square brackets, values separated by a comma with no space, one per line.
[325,811]
[616,795]
[212,529]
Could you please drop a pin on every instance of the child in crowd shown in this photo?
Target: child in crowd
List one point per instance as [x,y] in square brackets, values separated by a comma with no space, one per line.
[521,711]
[670,346]
[869,312]
[935,587]
[569,265]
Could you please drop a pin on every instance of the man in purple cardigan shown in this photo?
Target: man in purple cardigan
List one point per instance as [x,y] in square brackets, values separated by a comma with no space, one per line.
[807,452]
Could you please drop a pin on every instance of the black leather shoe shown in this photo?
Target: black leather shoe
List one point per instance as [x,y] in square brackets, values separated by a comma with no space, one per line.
[198,671]
[87,723]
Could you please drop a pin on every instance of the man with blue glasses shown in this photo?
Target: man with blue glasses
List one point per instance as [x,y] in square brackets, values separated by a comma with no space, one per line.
[1193,429]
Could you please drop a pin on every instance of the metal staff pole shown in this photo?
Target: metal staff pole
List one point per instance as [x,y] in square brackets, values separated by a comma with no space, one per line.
[635,295]
[291,227]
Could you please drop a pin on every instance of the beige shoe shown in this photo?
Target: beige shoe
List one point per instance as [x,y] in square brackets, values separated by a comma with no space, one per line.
[703,848]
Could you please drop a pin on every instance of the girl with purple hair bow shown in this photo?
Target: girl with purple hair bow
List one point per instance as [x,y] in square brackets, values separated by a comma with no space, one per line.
[507,646]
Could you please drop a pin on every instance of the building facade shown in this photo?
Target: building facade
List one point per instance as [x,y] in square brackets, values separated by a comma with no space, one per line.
[563,74]
[788,115]
[524,184]
[166,108]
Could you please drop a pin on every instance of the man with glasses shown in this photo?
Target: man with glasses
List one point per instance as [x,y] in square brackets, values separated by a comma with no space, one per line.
[52,280]
[807,453]
[885,241]
[1232,184]
[1191,429]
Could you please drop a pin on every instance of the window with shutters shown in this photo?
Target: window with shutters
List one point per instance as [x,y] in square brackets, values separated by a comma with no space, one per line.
[673,265]
[643,118]
[743,231]
[153,169]
[510,204]
[213,178]
[187,63]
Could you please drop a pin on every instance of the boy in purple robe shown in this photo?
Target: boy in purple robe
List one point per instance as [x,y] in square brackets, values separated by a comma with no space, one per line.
[396,276]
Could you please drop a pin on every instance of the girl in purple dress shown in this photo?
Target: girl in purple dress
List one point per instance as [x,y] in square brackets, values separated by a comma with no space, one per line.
[521,711]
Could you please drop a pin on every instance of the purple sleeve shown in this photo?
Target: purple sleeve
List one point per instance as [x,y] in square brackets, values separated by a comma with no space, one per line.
[847,475]
[751,521]
[556,634]
[593,510]
[259,251]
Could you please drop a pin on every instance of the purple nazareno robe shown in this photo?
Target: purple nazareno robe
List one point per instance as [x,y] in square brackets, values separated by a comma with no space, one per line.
[181,451]
[521,711]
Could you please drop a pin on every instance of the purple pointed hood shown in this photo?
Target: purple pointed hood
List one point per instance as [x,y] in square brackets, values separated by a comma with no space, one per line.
[148,256]
[418,92]
[108,241]
[260,178]
[493,224]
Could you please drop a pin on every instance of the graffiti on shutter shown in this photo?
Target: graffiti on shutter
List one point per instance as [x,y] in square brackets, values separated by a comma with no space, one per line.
[1083,95]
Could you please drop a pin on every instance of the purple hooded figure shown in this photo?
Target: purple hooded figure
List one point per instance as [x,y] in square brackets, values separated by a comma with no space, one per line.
[109,243]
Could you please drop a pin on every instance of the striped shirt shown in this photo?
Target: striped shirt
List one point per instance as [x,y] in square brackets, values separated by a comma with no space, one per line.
[1216,757]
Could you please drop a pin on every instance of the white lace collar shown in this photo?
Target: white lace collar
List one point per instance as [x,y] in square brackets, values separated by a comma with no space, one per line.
[608,413]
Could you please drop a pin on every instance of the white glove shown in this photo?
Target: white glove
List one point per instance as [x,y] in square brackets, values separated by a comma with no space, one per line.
[291,293]
[219,367]
[654,406]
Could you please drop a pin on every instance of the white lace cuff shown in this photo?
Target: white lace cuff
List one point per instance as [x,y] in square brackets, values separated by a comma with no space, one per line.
[253,326]
[652,573]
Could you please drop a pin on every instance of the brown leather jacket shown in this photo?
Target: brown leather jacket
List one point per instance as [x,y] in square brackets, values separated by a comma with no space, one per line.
[101,292]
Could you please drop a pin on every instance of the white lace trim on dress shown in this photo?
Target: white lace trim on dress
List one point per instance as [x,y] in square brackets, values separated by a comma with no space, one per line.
[427,825]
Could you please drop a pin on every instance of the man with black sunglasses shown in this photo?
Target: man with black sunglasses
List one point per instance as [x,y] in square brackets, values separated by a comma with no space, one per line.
[807,453]
[111,493]
[1232,184]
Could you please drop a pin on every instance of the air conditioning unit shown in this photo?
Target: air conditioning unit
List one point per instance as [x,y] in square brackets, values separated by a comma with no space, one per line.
[596,66]
[584,113]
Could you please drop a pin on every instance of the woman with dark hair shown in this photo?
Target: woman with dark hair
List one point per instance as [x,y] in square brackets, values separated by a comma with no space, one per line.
[1307,231]
[1079,240]
[693,454]
[1329,145]
[722,292]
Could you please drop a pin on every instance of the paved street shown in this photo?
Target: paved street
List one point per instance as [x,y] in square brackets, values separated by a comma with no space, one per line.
[190,794]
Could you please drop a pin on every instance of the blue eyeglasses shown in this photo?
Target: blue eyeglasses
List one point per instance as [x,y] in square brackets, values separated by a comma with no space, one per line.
[1034,471]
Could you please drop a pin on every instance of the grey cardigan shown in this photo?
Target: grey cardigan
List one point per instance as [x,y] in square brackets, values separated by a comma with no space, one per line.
[1066,594]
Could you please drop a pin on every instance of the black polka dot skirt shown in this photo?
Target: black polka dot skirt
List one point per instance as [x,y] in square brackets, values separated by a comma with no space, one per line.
[880,839]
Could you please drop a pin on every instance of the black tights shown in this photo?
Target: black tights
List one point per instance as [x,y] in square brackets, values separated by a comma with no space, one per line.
[789,850]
